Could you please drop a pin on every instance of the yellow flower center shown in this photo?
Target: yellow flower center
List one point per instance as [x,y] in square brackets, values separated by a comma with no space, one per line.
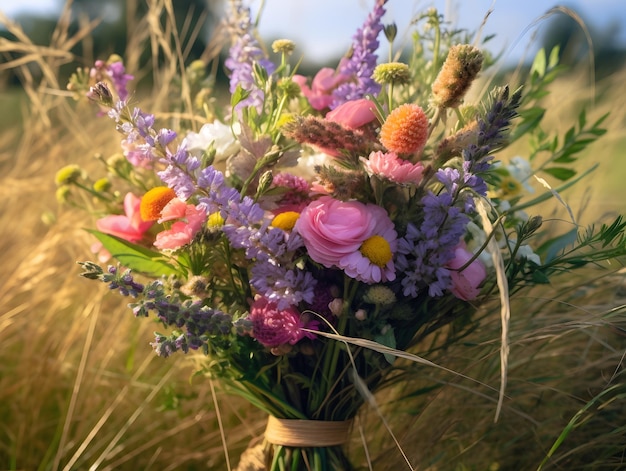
[154,201]
[215,220]
[377,250]
[509,186]
[286,220]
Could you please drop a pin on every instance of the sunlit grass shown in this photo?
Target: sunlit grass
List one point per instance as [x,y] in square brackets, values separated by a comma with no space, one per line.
[80,387]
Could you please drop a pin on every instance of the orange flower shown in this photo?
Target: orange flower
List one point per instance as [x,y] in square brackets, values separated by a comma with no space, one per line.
[405,130]
[154,201]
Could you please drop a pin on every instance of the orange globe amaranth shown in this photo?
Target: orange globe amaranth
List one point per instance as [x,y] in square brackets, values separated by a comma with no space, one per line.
[154,201]
[405,130]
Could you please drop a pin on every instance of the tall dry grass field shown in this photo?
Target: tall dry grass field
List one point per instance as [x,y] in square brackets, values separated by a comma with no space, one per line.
[80,387]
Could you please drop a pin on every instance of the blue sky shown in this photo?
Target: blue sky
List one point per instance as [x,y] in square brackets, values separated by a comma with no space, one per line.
[323,28]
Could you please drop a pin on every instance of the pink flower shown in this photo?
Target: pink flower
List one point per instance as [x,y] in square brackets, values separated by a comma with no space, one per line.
[273,327]
[128,226]
[320,93]
[353,114]
[183,231]
[393,168]
[465,283]
[355,237]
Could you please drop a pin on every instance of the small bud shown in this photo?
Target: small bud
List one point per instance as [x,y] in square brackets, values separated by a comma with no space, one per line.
[336,306]
[68,174]
[391,31]
[360,315]
[283,46]
[265,181]
[380,295]
[101,94]
[392,72]
[102,185]
[289,88]
[63,194]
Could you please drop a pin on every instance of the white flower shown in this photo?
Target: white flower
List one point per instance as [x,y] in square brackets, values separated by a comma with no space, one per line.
[216,133]
[520,169]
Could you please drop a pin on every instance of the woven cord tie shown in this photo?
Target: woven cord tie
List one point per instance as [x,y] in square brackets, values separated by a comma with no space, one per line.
[307,433]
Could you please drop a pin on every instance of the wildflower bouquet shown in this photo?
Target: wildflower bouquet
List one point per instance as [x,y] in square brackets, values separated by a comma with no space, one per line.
[314,230]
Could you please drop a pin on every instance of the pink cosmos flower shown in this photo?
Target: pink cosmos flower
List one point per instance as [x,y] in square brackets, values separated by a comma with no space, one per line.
[353,114]
[273,327]
[393,168]
[355,237]
[183,231]
[128,226]
[465,284]
[319,93]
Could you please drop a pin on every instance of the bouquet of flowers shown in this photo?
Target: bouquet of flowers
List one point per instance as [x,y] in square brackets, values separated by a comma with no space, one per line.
[313,230]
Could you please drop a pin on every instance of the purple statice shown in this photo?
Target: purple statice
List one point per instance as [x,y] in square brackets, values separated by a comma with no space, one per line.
[119,78]
[362,61]
[281,285]
[244,53]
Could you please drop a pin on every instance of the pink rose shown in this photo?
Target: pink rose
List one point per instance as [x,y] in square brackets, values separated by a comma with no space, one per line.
[128,226]
[355,237]
[465,284]
[324,83]
[183,231]
[353,114]
[393,168]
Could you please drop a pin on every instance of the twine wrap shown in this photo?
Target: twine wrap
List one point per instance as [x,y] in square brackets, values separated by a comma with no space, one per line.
[307,433]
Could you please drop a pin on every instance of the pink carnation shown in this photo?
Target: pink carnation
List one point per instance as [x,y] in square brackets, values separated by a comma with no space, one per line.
[355,237]
[320,92]
[353,114]
[273,327]
[465,283]
[128,226]
[393,168]
[183,231]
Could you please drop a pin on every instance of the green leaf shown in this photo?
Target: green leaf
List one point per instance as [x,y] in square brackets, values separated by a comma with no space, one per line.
[555,246]
[539,64]
[388,339]
[238,96]
[561,173]
[135,257]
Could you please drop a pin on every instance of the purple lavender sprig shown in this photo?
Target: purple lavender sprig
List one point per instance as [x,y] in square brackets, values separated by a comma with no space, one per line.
[123,282]
[244,52]
[362,61]
[201,324]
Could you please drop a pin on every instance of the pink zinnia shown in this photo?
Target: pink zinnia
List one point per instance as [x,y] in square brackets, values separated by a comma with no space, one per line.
[273,327]
[320,92]
[393,168]
[183,231]
[465,283]
[128,226]
[355,237]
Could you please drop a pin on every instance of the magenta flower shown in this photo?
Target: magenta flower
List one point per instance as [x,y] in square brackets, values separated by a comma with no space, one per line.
[353,114]
[128,226]
[391,167]
[324,83]
[273,327]
[182,231]
[358,238]
[465,283]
